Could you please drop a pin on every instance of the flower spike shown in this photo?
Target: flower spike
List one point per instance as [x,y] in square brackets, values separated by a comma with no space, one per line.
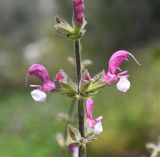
[47,85]
[94,124]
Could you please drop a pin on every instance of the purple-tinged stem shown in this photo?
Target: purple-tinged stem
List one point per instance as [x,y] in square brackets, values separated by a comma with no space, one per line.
[78,63]
[82,148]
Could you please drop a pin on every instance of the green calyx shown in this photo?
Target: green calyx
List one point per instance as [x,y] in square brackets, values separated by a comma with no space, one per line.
[74,137]
[66,86]
[73,32]
[91,87]
[88,87]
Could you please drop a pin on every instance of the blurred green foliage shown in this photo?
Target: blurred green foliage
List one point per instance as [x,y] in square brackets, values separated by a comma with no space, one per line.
[27,36]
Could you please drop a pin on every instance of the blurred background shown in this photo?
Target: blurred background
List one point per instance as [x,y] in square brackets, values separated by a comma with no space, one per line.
[27,36]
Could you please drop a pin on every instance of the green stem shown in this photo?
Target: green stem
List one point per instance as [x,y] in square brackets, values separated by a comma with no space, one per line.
[82,148]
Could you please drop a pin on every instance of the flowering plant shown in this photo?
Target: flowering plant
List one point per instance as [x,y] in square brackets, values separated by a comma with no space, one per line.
[84,89]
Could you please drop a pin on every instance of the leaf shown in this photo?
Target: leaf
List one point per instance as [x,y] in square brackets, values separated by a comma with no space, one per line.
[73,135]
[63,26]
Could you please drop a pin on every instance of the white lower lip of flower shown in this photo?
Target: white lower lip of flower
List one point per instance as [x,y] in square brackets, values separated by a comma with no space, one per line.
[75,153]
[123,84]
[98,128]
[38,95]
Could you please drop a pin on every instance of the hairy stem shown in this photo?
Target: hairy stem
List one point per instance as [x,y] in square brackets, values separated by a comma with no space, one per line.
[81,117]
[78,63]
[82,148]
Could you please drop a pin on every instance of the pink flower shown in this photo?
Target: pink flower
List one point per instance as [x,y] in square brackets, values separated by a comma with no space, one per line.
[79,11]
[74,149]
[112,77]
[47,85]
[94,124]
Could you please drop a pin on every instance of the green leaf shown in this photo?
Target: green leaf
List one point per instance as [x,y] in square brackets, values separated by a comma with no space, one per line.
[63,26]
[73,135]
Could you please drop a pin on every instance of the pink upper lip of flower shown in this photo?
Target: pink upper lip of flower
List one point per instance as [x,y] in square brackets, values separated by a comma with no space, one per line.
[116,60]
[40,71]
[89,108]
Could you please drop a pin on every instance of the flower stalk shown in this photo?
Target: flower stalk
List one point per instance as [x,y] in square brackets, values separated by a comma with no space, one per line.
[78,63]
[82,148]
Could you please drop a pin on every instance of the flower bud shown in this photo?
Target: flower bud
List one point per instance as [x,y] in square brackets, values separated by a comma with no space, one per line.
[60,76]
[79,11]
